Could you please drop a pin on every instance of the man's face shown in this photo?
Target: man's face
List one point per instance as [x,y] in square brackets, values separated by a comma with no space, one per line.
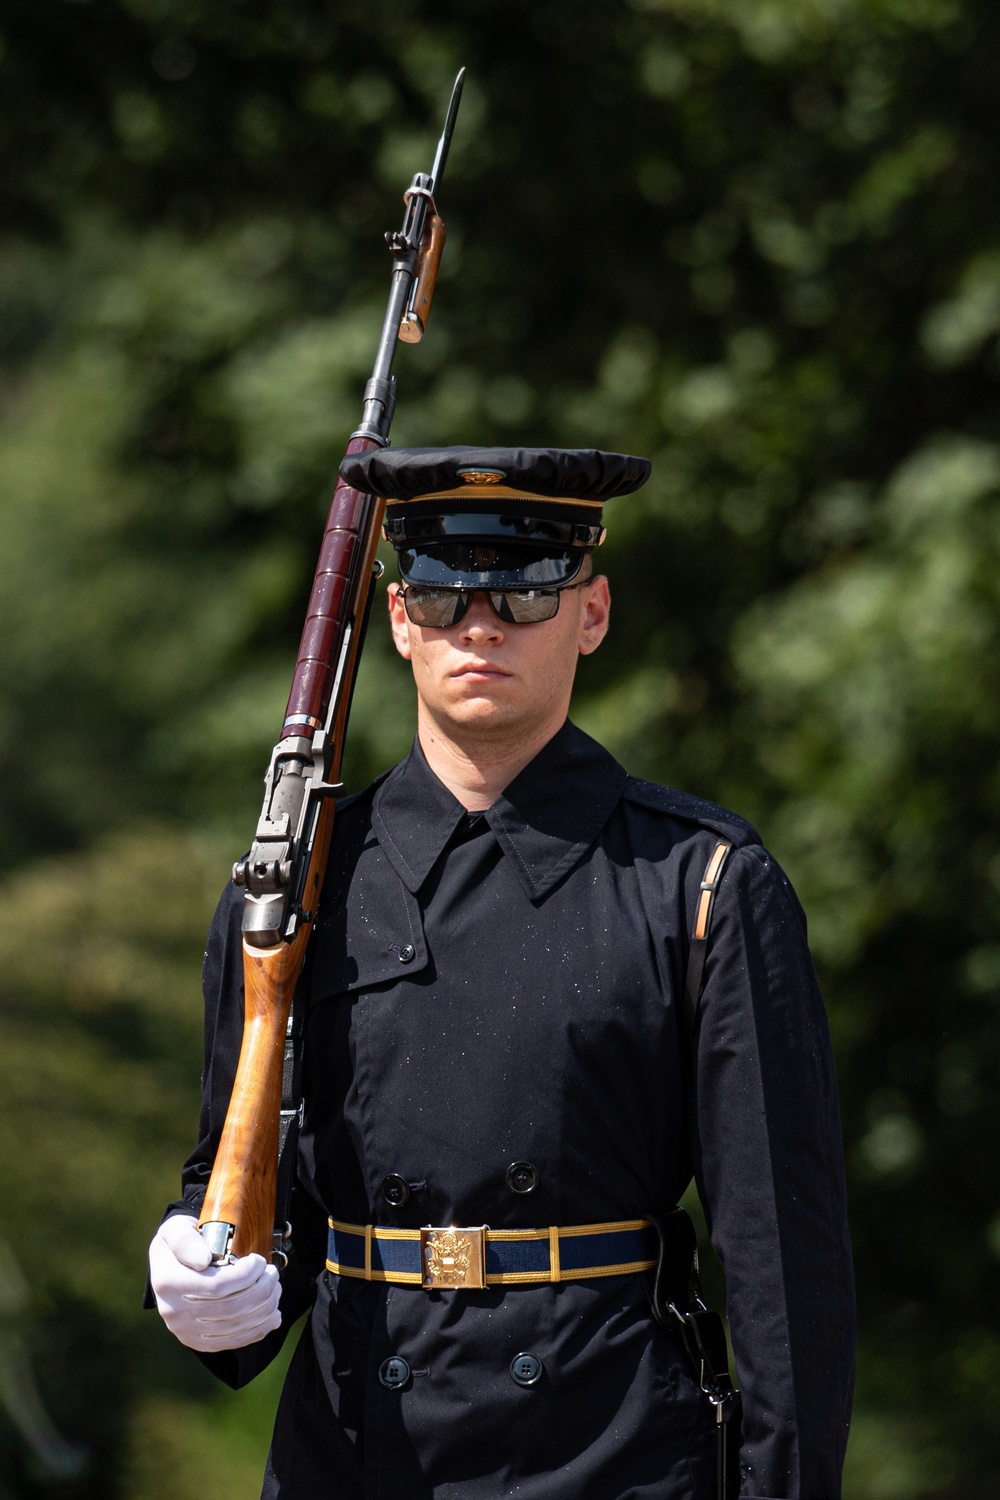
[485,677]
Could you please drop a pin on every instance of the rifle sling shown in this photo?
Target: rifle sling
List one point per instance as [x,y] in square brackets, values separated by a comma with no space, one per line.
[290,1118]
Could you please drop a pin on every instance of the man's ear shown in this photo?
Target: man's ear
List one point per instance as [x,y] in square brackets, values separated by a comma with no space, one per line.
[596,611]
[398,621]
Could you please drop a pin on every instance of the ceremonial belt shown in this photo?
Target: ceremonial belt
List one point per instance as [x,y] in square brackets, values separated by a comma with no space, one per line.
[446,1257]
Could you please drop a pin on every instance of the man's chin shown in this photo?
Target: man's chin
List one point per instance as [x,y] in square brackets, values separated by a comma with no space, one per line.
[483,711]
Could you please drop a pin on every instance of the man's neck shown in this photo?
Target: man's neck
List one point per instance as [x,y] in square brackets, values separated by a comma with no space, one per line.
[475,770]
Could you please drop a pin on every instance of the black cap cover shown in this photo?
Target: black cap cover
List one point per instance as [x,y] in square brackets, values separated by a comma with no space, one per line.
[556,473]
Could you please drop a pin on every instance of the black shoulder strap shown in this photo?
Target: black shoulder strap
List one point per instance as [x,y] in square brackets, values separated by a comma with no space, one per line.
[698,951]
[688,809]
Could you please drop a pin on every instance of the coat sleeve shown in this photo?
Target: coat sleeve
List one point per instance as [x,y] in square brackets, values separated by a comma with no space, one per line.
[768,1160]
[222,983]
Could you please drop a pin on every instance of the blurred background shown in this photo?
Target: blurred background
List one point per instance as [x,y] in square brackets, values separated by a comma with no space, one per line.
[757,240]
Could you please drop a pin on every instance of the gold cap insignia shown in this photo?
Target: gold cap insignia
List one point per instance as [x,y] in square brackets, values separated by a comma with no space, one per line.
[481,476]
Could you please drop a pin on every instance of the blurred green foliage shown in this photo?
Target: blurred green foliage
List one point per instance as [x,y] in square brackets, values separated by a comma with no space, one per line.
[758,240]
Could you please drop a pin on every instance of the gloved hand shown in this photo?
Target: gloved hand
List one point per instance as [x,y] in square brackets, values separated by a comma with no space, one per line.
[209,1307]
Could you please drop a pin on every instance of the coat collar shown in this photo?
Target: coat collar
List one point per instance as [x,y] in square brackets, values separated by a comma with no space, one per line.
[544,821]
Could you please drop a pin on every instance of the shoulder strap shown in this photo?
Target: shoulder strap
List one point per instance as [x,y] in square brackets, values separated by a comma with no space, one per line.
[682,805]
[698,951]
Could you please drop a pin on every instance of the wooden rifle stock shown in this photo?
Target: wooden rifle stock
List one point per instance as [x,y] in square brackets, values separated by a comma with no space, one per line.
[244,1179]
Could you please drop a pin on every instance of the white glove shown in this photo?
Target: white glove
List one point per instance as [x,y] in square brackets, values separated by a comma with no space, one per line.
[210,1307]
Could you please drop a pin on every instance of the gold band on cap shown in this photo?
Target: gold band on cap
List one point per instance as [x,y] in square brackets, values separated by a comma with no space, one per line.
[493,492]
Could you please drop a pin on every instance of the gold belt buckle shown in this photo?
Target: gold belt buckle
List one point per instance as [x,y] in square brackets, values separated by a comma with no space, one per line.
[452,1258]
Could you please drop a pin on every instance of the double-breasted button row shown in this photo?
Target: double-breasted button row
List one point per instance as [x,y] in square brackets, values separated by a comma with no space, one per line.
[394,1372]
[521,1177]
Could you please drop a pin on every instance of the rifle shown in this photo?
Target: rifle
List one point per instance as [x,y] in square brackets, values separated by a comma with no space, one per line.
[282,876]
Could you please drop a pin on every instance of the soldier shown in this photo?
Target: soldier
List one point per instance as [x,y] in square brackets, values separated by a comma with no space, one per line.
[497,1035]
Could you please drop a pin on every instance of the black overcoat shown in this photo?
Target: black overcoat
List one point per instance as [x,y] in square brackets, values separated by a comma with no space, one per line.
[505,987]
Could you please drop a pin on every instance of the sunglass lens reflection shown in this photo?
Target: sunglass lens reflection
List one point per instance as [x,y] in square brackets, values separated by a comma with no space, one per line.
[439,608]
[528,608]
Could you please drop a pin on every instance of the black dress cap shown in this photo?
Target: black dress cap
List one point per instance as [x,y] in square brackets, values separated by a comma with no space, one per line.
[494,518]
[584,474]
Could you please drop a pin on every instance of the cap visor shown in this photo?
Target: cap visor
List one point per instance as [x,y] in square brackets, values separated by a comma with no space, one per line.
[473,565]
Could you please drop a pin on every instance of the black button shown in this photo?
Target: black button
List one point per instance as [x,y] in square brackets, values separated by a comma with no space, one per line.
[522,1177]
[525,1369]
[395,1190]
[395,1372]
[407,953]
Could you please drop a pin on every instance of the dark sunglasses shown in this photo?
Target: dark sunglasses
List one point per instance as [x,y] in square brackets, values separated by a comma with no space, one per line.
[439,608]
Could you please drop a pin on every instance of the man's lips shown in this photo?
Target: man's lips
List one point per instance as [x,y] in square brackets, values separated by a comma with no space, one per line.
[480,671]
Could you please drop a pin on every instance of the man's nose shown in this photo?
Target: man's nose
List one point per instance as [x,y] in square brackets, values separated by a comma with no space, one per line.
[481,622]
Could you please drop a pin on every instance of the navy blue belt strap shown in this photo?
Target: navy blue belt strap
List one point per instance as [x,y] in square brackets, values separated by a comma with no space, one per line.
[512,1256]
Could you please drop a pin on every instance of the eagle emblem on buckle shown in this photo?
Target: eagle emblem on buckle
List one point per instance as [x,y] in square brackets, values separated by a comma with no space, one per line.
[453,1258]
